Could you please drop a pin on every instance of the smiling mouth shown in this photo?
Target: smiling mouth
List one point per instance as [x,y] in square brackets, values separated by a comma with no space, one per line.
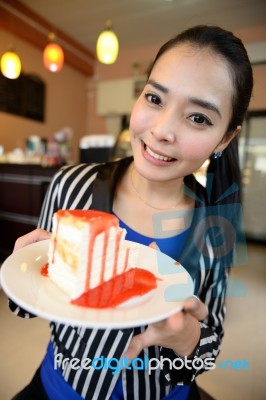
[158,156]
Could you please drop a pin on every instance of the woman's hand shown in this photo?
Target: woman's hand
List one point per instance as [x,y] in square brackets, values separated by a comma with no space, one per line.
[180,332]
[31,237]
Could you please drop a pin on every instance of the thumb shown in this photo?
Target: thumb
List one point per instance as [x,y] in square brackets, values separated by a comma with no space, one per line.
[195,307]
[34,236]
[154,246]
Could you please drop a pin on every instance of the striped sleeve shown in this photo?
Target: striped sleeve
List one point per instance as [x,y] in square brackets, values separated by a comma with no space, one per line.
[71,187]
[212,283]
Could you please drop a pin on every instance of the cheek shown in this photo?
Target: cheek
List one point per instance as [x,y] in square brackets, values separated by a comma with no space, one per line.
[196,149]
[138,120]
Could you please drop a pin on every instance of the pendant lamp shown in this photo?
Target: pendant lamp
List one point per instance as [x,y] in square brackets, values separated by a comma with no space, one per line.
[107,46]
[10,65]
[53,55]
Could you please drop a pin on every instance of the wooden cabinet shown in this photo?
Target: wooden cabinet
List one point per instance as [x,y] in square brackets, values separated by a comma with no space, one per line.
[22,191]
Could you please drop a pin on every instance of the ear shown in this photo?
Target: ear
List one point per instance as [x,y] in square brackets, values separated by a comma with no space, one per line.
[227,139]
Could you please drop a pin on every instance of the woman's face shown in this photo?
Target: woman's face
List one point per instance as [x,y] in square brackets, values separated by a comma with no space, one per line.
[182,115]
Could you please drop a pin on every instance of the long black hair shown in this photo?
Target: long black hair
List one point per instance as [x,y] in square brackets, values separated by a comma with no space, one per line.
[223,174]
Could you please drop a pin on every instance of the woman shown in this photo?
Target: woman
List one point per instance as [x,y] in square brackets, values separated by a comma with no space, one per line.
[191,110]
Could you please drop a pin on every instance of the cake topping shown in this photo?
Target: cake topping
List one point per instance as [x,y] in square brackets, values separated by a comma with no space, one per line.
[135,282]
[89,258]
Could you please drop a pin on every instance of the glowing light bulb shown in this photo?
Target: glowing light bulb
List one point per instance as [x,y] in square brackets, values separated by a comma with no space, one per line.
[53,57]
[107,46]
[10,65]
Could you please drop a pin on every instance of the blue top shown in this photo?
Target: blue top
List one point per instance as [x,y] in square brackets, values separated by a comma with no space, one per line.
[56,387]
[170,246]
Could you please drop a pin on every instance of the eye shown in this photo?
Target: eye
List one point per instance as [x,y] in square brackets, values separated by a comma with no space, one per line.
[200,119]
[153,98]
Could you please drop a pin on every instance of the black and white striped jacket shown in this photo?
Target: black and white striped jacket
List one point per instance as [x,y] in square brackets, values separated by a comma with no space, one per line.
[86,186]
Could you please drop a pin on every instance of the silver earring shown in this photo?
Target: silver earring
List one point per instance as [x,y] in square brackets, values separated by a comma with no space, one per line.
[217,155]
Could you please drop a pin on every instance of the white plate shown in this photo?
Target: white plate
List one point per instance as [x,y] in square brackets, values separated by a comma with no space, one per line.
[23,283]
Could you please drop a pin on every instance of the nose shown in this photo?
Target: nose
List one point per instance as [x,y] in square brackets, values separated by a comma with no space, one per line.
[163,127]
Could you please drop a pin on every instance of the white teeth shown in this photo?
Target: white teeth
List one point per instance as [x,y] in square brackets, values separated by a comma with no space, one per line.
[157,156]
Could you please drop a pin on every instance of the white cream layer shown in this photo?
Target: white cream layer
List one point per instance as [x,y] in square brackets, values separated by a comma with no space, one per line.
[71,275]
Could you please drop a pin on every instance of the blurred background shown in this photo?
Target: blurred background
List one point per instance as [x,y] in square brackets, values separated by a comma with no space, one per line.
[76,108]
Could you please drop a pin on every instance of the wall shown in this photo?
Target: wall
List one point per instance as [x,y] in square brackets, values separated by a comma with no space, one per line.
[124,68]
[66,99]
[253,35]
[71,96]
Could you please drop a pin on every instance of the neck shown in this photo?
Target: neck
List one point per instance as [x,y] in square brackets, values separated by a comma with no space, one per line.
[155,194]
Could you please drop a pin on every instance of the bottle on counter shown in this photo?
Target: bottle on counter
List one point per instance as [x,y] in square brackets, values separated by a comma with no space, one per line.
[122,146]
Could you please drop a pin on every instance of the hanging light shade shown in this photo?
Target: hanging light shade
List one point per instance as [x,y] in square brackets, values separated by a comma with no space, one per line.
[53,55]
[10,65]
[107,46]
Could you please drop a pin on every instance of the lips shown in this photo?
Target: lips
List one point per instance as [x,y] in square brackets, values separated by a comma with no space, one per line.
[158,156]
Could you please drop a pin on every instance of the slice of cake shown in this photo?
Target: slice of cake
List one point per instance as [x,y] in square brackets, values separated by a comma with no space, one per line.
[87,249]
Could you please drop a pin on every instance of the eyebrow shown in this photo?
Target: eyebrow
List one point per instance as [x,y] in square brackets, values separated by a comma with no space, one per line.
[205,104]
[194,100]
[158,86]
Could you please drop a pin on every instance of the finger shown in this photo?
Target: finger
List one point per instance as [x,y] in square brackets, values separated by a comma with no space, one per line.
[154,246]
[34,236]
[194,306]
[153,335]
[176,322]
[136,344]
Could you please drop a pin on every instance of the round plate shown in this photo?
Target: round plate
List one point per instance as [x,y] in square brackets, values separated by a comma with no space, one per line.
[23,283]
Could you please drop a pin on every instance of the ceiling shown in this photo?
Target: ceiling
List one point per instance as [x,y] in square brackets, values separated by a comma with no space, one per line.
[144,22]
